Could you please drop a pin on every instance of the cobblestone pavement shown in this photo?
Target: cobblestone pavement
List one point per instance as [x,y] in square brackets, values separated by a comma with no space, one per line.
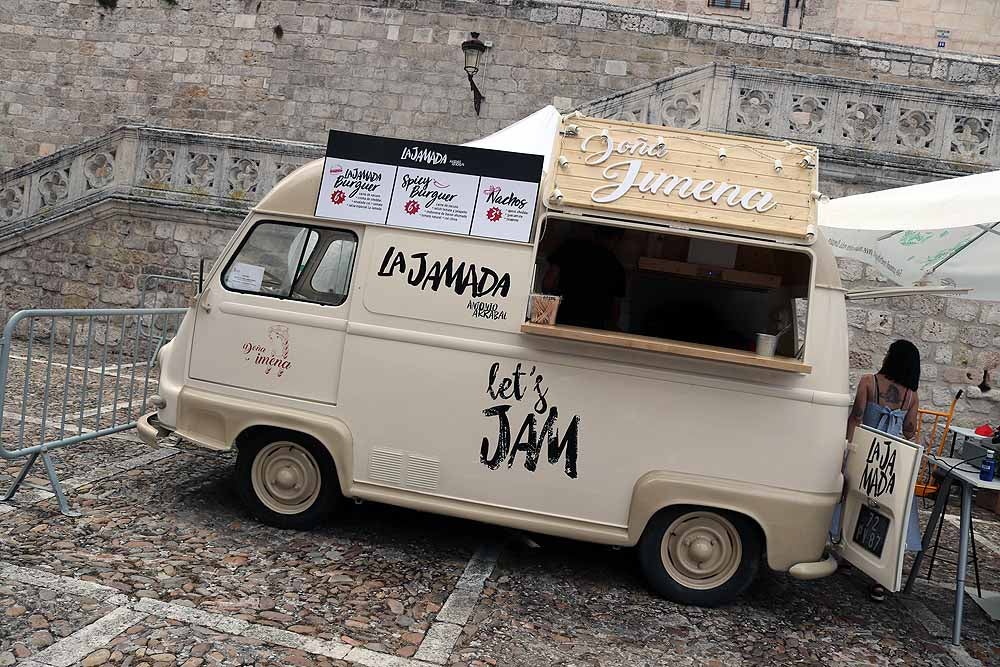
[165,568]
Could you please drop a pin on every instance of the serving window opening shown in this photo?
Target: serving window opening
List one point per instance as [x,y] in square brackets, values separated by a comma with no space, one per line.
[714,298]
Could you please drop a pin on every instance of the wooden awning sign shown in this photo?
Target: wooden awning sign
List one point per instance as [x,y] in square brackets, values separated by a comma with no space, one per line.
[710,180]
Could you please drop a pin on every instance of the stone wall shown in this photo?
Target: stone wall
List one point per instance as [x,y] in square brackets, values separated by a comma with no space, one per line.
[73,70]
[970,26]
[757,13]
[97,262]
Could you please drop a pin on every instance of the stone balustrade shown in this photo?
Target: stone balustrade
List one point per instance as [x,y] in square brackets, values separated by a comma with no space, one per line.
[855,123]
[169,167]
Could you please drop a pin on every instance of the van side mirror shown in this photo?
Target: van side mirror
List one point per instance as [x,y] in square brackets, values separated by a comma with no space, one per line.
[201,275]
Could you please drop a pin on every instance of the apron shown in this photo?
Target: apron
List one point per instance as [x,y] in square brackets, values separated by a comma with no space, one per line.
[887,420]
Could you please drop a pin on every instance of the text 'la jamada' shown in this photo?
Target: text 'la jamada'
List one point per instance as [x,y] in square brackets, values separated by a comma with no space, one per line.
[461,277]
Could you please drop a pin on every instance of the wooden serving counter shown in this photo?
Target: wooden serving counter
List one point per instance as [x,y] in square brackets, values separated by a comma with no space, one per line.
[679,348]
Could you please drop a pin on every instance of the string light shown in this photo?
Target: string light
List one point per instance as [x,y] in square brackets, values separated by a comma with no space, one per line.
[778,166]
[563,161]
[722,153]
[556,195]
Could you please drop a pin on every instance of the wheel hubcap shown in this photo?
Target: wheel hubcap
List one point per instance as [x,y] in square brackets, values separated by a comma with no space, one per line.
[286,477]
[701,550]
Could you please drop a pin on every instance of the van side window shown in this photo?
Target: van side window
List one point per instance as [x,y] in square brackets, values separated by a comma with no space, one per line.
[290,261]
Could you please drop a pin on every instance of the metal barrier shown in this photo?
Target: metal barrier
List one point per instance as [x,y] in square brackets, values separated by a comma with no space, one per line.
[102,357]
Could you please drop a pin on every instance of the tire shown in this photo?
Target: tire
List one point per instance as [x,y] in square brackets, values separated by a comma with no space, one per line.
[676,538]
[287,480]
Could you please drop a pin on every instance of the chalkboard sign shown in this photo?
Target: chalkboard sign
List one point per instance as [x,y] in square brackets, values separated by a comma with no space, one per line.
[870,530]
[432,187]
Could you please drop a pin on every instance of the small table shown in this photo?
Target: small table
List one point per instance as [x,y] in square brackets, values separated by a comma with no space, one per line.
[967,479]
[967,434]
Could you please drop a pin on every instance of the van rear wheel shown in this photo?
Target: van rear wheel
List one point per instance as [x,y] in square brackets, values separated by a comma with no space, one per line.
[286,480]
[700,556]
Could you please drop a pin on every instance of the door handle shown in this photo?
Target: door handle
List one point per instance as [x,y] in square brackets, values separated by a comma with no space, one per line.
[204,303]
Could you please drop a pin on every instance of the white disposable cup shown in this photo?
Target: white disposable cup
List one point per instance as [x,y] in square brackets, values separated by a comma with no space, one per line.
[766,344]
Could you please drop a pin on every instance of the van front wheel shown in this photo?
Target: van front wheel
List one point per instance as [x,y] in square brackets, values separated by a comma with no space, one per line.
[699,556]
[285,480]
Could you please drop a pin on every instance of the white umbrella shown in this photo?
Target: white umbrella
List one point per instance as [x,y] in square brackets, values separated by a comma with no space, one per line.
[940,233]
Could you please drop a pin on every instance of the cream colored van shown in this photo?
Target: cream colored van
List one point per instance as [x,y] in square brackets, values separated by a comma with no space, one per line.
[380,328]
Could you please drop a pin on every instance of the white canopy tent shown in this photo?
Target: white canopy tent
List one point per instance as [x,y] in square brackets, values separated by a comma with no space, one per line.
[533,134]
[940,233]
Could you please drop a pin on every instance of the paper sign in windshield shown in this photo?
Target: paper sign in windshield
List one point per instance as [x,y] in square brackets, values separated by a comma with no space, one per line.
[245,277]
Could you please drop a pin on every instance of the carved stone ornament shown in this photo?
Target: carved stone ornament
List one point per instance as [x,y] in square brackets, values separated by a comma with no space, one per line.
[53,186]
[11,202]
[283,169]
[159,165]
[682,110]
[755,108]
[862,122]
[201,170]
[808,114]
[99,170]
[635,111]
[243,175]
[970,136]
[916,129]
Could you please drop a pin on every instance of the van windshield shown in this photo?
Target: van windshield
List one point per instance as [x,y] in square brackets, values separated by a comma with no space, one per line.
[292,261]
[716,292]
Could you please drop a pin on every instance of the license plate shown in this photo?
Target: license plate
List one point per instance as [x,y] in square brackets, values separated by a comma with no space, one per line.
[870,530]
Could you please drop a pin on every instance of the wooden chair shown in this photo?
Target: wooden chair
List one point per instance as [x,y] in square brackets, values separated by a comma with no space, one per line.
[926,484]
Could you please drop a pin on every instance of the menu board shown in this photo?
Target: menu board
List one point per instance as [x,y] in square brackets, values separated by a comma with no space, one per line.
[432,187]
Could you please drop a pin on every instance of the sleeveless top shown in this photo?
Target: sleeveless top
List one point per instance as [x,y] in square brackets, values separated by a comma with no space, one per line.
[883,418]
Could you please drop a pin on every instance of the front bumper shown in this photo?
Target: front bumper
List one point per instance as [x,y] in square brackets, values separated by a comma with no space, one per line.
[150,430]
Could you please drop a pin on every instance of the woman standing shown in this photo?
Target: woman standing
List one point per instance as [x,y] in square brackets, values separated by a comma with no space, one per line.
[887,401]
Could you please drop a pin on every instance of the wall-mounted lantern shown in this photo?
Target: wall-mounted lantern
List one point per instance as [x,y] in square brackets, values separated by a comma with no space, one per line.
[474,50]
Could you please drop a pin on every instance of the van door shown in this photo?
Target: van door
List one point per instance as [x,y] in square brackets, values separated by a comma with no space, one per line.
[880,474]
[274,319]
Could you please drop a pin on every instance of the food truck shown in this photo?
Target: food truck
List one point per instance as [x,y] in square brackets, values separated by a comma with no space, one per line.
[638,339]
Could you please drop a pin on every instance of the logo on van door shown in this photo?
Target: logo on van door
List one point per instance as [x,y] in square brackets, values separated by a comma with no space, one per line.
[512,388]
[274,355]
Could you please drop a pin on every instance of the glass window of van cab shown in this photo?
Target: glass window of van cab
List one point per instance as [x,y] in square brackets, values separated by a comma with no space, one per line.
[289,261]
